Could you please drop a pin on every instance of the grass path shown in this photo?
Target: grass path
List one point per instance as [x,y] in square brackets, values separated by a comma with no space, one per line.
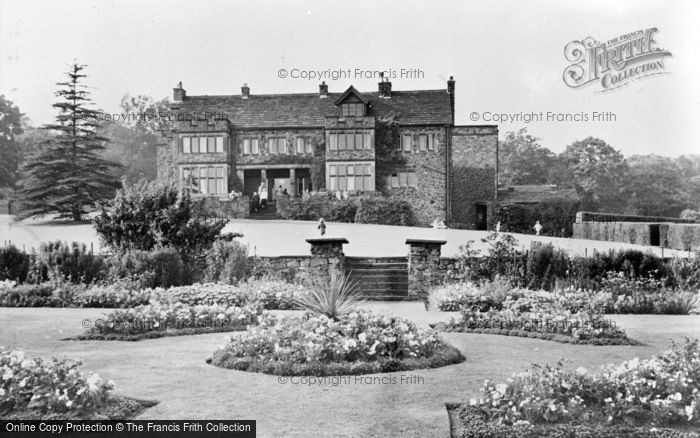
[173,371]
[279,237]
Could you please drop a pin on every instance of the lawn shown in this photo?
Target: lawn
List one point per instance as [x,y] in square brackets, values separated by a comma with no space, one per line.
[173,371]
[280,237]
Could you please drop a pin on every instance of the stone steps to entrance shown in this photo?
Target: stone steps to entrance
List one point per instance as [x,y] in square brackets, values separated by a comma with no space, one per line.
[267,213]
[380,278]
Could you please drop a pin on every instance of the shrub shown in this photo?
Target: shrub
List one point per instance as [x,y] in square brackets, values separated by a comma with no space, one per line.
[149,214]
[342,211]
[49,387]
[333,296]
[227,262]
[545,264]
[72,262]
[161,267]
[311,207]
[14,264]
[384,211]
[316,345]
[502,255]
[27,295]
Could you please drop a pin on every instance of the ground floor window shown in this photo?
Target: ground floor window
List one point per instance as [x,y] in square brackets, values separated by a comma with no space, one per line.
[404,178]
[205,179]
[349,176]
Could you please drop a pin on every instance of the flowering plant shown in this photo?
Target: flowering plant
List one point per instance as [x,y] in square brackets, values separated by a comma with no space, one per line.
[54,386]
[158,317]
[292,344]
[663,390]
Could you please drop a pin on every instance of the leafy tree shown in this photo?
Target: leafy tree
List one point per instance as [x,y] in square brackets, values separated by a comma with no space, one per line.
[134,149]
[135,134]
[522,160]
[597,172]
[69,175]
[10,152]
[152,214]
[654,186]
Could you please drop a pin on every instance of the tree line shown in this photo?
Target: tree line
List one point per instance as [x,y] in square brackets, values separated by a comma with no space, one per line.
[603,178]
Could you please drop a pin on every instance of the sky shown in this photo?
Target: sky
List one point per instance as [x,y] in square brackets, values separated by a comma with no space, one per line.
[507,57]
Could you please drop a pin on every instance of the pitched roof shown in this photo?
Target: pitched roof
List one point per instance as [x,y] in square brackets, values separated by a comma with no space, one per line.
[421,107]
[531,194]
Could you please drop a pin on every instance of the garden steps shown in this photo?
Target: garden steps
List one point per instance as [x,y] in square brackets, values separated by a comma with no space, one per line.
[267,213]
[380,278]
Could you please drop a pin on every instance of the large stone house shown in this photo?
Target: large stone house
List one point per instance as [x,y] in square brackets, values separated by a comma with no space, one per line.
[402,144]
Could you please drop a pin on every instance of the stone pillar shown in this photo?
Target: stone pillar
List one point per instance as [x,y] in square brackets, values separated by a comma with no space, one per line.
[327,257]
[423,266]
[292,182]
[240,175]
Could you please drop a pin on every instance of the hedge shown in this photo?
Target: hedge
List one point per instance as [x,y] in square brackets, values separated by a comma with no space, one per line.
[590,216]
[385,211]
[557,217]
[685,237]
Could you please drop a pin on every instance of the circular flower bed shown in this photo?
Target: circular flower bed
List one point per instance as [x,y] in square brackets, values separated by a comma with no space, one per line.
[360,343]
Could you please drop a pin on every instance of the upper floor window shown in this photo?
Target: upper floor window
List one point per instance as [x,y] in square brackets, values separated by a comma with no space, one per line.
[352,110]
[250,146]
[277,145]
[406,143]
[426,142]
[349,140]
[203,144]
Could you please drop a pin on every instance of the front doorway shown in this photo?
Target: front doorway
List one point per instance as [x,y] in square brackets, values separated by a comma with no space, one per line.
[481,217]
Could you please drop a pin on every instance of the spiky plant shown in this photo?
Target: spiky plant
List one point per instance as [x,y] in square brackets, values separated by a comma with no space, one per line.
[332,295]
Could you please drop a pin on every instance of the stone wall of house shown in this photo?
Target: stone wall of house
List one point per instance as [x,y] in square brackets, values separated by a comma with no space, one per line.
[166,159]
[472,173]
[314,136]
[428,198]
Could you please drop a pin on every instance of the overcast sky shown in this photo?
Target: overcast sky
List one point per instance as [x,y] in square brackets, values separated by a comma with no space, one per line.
[506,56]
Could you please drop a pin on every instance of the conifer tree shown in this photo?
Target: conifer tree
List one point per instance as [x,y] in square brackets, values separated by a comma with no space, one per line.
[69,174]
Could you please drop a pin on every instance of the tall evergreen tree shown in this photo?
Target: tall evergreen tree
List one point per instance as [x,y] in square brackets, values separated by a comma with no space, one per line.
[69,174]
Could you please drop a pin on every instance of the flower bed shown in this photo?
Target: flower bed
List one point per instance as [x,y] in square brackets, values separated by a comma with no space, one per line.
[540,315]
[361,343]
[171,319]
[273,294]
[631,399]
[48,387]
[469,296]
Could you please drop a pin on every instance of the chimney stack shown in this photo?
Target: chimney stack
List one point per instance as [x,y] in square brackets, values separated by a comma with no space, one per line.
[451,92]
[179,93]
[245,91]
[384,87]
[323,90]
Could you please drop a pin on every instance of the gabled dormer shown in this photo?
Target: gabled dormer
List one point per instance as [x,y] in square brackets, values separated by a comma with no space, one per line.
[352,104]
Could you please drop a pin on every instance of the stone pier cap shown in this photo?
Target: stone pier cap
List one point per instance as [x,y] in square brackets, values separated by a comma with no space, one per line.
[425,242]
